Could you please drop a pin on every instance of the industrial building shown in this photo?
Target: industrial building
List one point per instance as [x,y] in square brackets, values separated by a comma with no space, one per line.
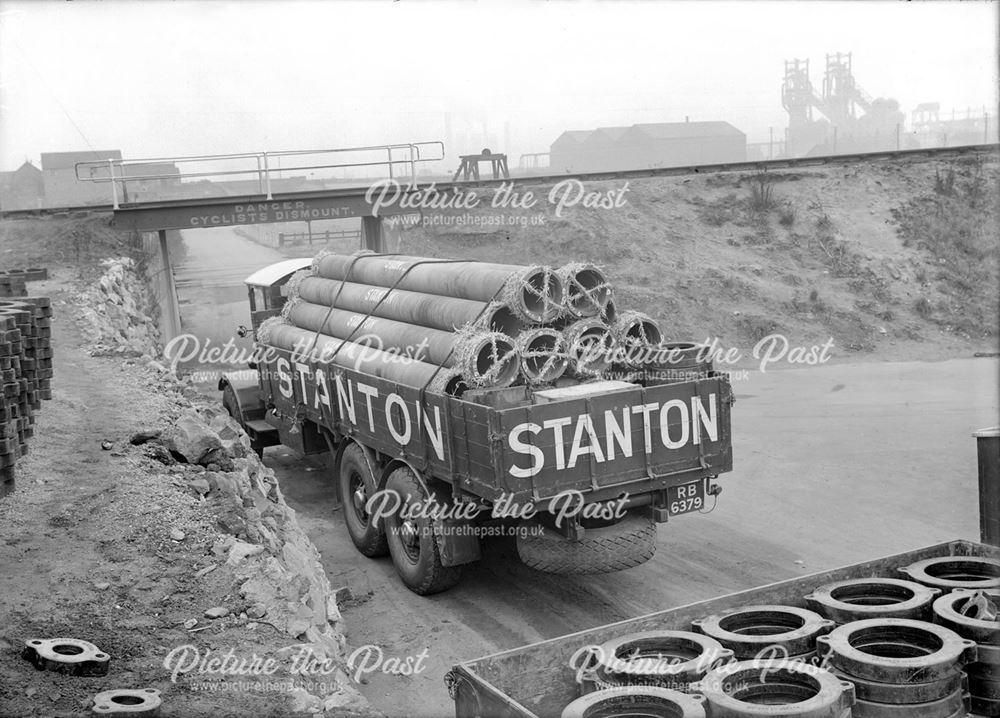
[647,146]
[63,189]
[22,189]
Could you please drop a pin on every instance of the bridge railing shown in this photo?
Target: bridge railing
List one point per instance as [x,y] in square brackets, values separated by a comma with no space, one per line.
[264,167]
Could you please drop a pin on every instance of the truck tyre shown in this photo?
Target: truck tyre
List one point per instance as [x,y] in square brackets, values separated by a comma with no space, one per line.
[412,544]
[357,484]
[232,406]
[628,543]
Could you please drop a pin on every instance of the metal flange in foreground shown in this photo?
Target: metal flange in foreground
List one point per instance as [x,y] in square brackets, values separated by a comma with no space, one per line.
[859,598]
[748,631]
[948,612]
[907,693]
[657,658]
[747,689]
[896,650]
[127,703]
[66,655]
[636,700]
[956,572]
[957,704]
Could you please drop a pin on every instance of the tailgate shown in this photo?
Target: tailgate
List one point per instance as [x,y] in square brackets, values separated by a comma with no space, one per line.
[619,438]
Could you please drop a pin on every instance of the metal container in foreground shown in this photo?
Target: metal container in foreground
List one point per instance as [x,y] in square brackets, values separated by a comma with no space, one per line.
[988,447]
[539,679]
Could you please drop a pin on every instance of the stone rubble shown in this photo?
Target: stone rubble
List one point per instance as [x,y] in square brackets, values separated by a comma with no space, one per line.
[281,579]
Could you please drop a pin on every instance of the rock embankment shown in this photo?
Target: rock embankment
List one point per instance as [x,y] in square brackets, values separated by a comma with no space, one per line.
[280,579]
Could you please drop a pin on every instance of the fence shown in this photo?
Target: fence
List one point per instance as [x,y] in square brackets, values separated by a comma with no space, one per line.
[292,238]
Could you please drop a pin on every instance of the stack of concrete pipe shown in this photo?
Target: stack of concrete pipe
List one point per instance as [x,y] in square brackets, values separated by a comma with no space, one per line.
[449,325]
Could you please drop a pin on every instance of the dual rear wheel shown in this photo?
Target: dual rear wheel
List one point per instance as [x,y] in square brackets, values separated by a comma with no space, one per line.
[408,538]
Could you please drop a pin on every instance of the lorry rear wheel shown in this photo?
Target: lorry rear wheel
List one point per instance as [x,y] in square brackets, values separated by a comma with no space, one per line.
[357,484]
[412,544]
[628,543]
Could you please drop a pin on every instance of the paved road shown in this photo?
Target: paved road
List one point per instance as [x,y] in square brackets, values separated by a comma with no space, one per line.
[833,465]
[210,288]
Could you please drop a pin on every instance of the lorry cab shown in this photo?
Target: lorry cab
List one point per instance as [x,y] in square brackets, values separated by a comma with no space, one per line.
[241,390]
[265,288]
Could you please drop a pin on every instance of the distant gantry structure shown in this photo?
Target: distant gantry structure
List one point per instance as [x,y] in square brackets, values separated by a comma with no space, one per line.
[851,121]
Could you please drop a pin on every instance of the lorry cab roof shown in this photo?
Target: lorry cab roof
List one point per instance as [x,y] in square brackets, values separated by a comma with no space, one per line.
[276,272]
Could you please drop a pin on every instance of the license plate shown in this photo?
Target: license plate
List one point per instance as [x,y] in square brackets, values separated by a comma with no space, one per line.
[684,498]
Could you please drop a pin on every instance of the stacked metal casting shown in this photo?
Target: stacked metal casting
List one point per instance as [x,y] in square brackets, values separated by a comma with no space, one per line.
[864,647]
[972,614]
[448,325]
[636,701]
[747,689]
[900,663]
[664,659]
[25,376]
[969,608]
[860,598]
[767,632]
[901,667]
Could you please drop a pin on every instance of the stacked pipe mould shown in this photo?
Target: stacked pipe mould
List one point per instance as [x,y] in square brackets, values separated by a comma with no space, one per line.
[927,646]
[464,324]
[25,376]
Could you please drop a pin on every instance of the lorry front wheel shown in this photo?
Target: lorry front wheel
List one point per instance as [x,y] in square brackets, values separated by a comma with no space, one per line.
[412,543]
[232,406]
[357,484]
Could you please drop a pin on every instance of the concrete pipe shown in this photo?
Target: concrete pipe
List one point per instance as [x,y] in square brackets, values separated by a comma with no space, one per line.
[586,288]
[534,293]
[590,345]
[543,355]
[636,333]
[449,381]
[487,359]
[359,357]
[428,310]
[428,345]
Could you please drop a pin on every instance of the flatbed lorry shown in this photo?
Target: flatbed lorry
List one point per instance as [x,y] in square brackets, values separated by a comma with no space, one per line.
[581,477]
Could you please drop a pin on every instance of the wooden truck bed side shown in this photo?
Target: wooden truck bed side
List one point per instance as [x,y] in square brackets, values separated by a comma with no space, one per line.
[633,440]
[537,680]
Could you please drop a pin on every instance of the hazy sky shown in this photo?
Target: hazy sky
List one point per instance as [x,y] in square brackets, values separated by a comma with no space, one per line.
[181,78]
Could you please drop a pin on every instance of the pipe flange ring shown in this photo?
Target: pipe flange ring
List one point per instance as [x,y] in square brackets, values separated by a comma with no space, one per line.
[983,688]
[906,693]
[989,655]
[66,655]
[658,658]
[981,707]
[947,612]
[747,688]
[750,630]
[956,572]
[636,700]
[956,704]
[127,703]
[983,671]
[859,598]
[896,650]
